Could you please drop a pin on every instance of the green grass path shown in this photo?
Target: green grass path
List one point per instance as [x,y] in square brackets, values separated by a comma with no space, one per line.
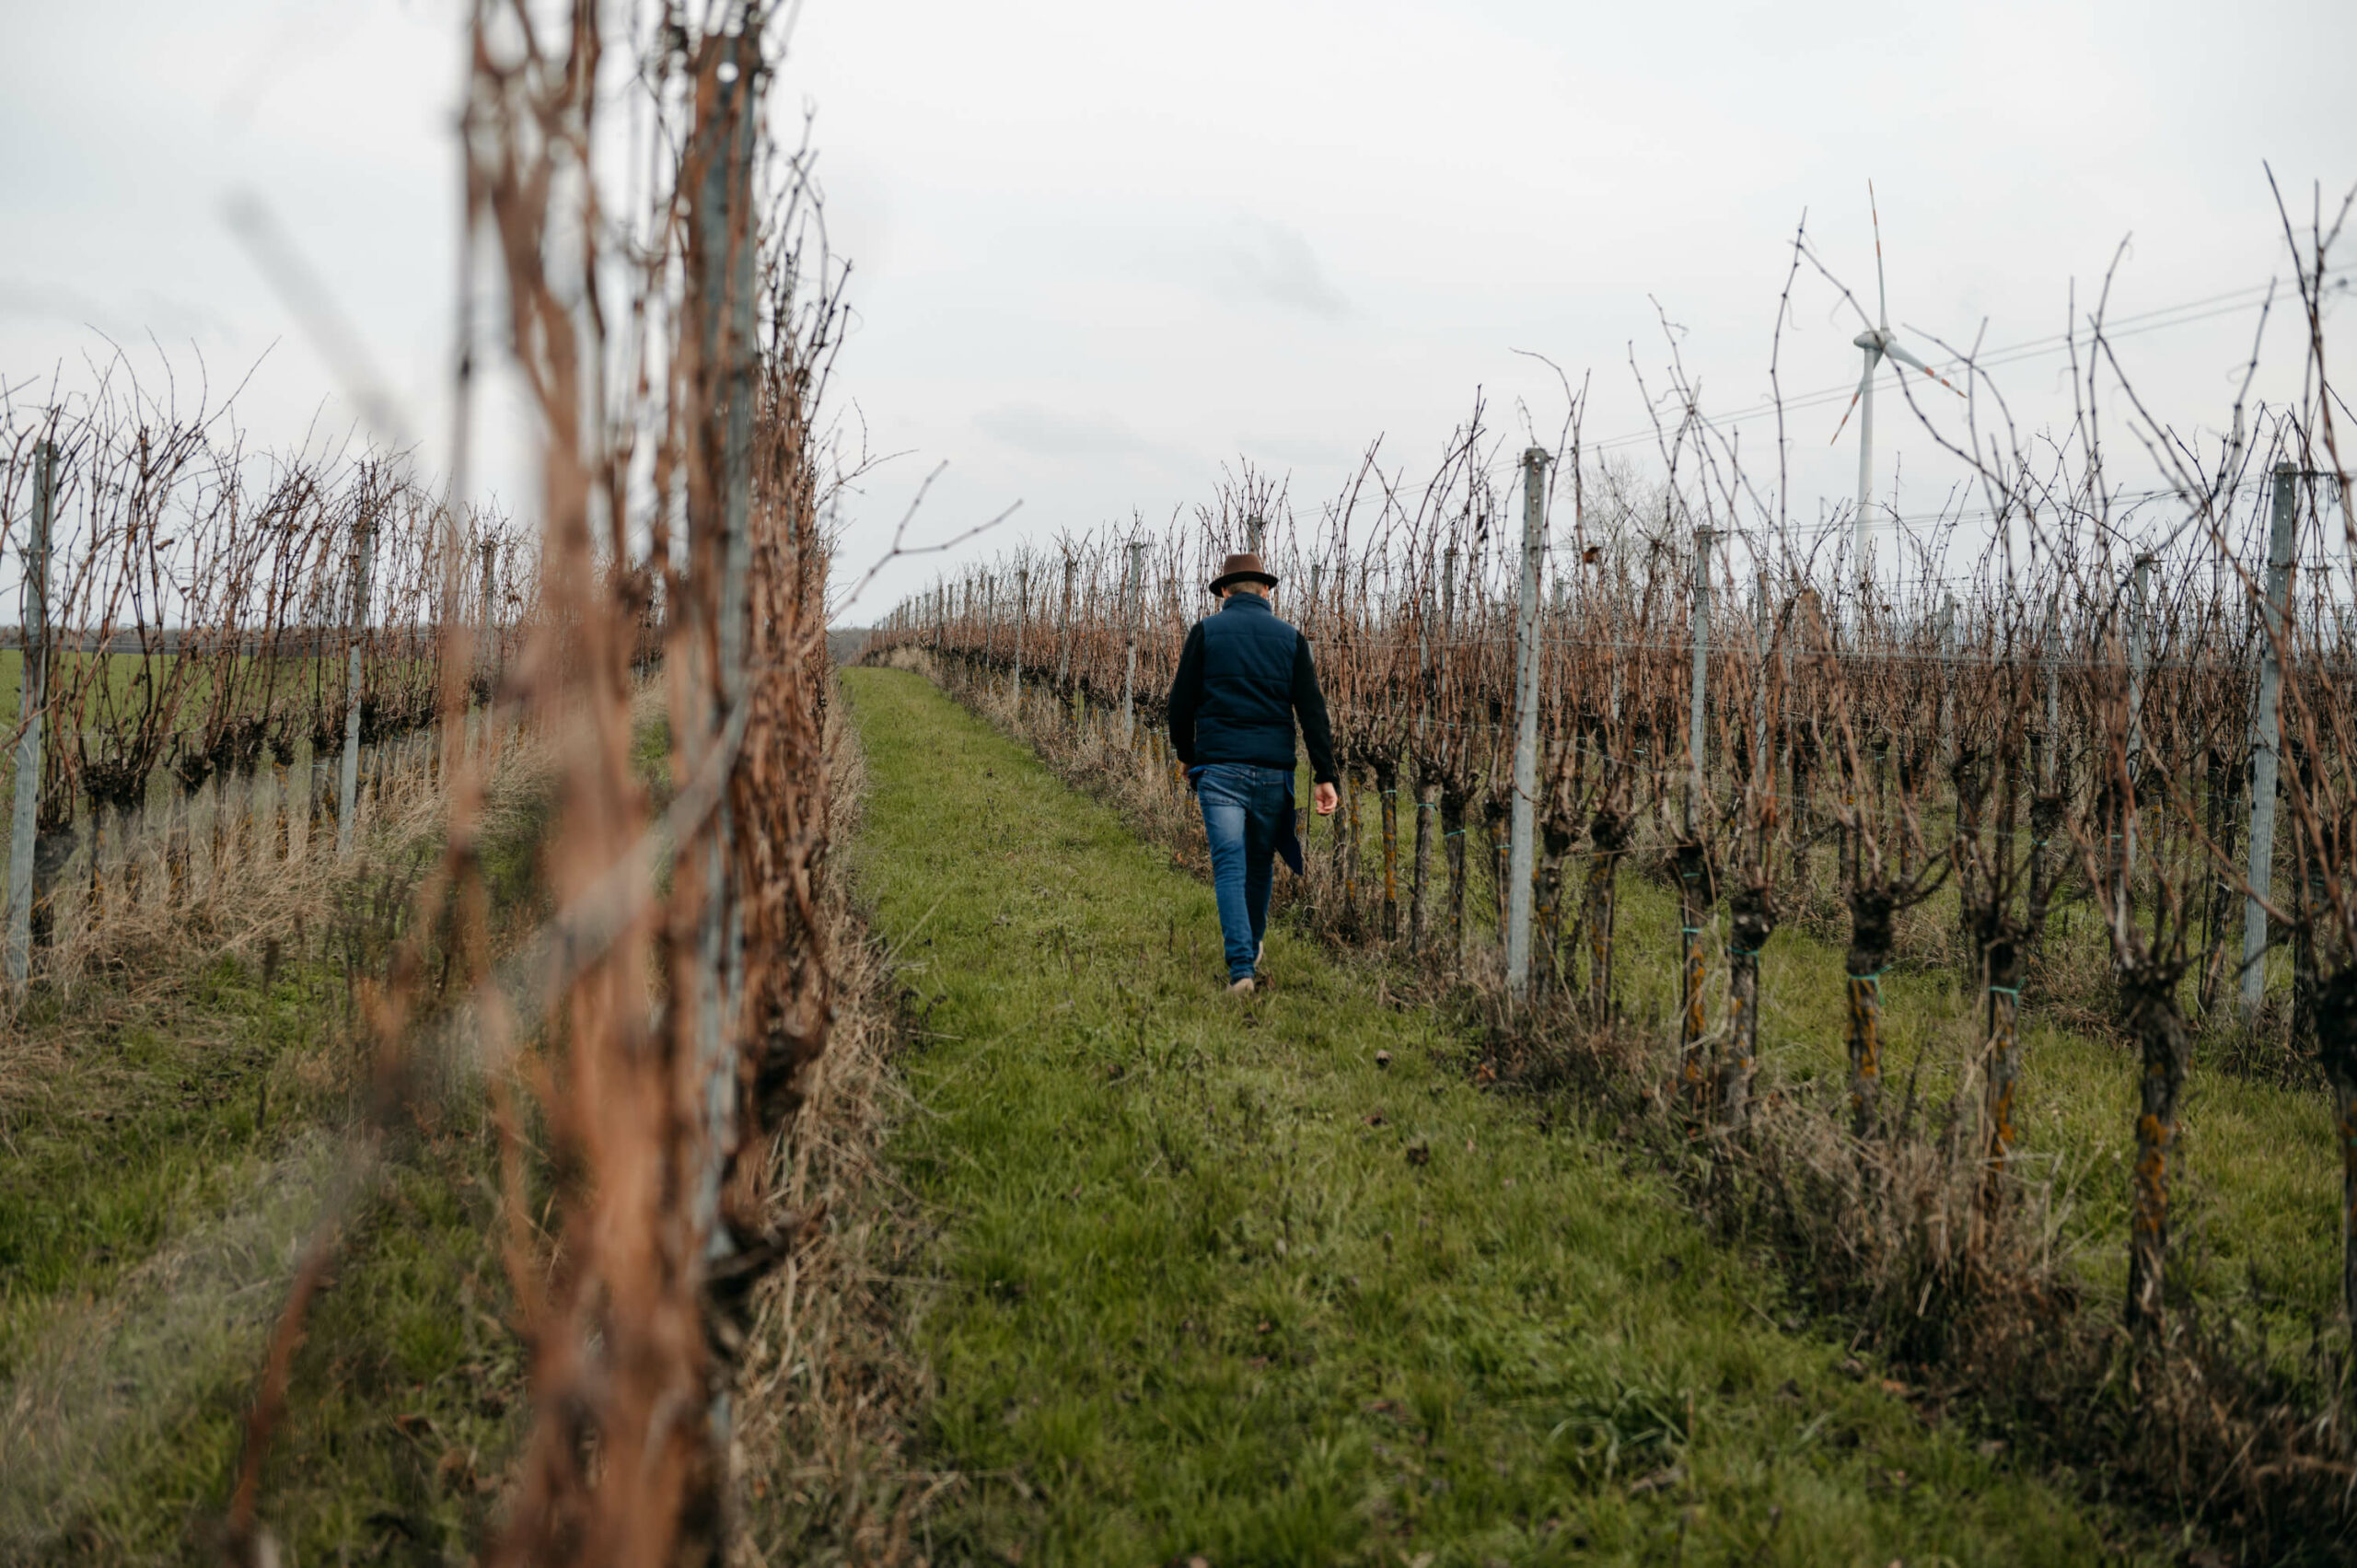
[1216,1281]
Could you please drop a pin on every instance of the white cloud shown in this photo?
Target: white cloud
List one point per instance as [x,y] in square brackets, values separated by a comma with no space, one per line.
[1057,434]
[1270,262]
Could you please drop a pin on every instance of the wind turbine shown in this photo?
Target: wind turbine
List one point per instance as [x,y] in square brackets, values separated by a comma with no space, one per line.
[1877,343]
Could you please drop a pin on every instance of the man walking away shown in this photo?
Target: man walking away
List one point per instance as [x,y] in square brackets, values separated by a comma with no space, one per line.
[1242,678]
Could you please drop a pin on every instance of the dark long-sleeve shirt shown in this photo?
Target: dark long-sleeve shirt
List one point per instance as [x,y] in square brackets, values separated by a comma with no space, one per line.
[1243,677]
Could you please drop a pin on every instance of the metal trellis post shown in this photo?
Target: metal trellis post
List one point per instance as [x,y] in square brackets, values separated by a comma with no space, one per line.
[1521,851]
[486,661]
[2137,609]
[1022,613]
[1130,593]
[2049,762]
[2265,726]
[728,237]
[348,785]
[1948,681]
[1697,802]
[32,694]
[1759,634]
[1063,625]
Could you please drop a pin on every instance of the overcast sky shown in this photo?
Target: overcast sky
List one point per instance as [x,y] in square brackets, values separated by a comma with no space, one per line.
[1100,250]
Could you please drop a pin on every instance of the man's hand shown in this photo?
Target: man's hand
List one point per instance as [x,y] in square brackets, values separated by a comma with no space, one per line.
[1325,799]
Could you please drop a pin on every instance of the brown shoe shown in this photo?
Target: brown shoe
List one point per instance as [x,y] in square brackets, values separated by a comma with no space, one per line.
[1240,987]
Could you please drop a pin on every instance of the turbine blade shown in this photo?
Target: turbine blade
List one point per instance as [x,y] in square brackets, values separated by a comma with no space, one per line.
[1904,357]
[1865,383]
[1882,292]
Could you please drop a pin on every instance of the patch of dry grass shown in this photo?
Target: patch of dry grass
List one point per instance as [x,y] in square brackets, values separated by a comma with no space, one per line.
[832,1390]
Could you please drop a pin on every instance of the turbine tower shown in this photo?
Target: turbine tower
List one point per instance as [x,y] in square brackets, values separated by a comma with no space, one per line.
[1877,342]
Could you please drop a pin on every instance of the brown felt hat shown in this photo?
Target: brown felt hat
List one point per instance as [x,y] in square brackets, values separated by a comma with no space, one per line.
[1241,569]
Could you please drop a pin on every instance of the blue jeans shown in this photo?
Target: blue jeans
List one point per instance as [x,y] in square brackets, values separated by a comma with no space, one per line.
[1245,809]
